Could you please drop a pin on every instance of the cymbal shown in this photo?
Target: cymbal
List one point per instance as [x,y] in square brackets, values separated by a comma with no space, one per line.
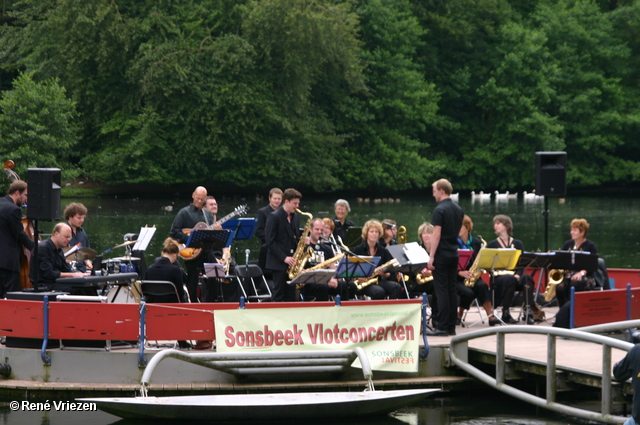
[124,244]
[83,254]
[124,259]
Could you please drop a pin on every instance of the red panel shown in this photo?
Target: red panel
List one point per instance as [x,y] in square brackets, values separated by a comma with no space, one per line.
[22,319]
[624,276]
[179,321]
[596,307]
[95,321]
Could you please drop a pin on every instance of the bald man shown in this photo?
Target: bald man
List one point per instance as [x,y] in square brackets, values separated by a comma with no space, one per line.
[52,264]
[187,218]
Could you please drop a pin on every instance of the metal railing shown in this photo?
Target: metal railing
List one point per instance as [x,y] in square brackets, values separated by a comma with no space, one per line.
[459,344]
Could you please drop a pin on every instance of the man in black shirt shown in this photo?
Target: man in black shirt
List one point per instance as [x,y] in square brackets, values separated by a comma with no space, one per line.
[52,264]
[275,199]
[187,218]
[12,237]
[447,220]
[322,252]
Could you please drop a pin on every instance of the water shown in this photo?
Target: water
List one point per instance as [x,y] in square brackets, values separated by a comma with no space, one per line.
[492,409]
[613,221]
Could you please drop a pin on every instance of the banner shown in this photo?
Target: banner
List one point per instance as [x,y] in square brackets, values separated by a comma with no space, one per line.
[389,333]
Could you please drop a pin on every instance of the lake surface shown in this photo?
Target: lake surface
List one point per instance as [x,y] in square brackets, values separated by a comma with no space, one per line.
[475,409]
[614,221]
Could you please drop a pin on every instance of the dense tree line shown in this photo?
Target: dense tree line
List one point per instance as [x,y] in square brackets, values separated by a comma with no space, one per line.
[322,94]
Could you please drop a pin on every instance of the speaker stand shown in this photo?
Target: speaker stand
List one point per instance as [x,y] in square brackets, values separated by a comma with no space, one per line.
[545,213]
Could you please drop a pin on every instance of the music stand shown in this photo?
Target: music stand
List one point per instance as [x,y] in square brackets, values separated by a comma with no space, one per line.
[356,266]
[464,256]
[492,259]
[536,260]
[412,259]
[243,228]
[575,260]
[314,277]
[353,236]
[208,239]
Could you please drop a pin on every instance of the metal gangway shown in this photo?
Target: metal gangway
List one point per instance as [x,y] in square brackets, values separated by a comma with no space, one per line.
[459,350]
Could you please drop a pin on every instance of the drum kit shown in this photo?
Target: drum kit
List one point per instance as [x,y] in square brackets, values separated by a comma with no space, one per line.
[117,265]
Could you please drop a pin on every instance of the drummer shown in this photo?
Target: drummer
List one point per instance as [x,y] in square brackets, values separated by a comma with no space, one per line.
[75,214]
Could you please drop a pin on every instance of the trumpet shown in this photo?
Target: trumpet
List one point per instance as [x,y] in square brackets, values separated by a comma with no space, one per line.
[556,276]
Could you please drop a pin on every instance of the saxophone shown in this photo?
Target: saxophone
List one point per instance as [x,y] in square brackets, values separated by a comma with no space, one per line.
[421,279]
[556,276]
[301,255]
[325,263]
[475,272]
[363,282]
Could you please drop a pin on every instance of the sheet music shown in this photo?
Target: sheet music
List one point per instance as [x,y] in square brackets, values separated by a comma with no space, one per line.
[415,254]
[144,238]
[214,270]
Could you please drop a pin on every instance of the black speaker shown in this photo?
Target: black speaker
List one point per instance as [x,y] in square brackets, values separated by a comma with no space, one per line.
[551,173]
[43,202]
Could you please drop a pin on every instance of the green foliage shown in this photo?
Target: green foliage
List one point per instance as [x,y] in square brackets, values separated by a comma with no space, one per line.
[38,126]
[322,94]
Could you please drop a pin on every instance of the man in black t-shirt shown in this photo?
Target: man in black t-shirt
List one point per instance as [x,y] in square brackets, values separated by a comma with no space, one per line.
[447,220]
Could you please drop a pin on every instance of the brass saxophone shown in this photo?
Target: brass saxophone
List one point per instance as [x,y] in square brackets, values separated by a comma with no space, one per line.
[556,276]
[363,282]
[421,279]
[301,255]
[325,263]
[401,237]
[475,272]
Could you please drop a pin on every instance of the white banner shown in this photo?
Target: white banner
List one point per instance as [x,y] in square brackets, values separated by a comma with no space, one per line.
[388,333]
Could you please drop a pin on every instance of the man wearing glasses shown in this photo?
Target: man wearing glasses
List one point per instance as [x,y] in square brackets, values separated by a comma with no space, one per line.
[187,218]
[52,264]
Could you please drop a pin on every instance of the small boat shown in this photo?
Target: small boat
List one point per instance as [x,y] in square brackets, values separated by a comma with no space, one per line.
[261,407]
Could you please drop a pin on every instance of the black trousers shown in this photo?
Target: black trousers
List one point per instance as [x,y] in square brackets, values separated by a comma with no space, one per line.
[444,277]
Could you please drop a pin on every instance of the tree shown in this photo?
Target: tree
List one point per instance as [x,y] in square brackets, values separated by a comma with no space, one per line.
[38,126]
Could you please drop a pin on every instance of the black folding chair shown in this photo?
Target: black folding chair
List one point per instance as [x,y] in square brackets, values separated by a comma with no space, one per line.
[160,291]
[250,279]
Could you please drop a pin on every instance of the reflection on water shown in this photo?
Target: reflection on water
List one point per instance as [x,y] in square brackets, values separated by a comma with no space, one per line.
[613,221]
[490,409]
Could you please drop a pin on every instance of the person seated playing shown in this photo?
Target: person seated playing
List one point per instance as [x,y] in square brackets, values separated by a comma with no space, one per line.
[52,264]
[479,289]
[579,279]
[321,253]
[389,232]
[506,285]
[167,268]
[386,287]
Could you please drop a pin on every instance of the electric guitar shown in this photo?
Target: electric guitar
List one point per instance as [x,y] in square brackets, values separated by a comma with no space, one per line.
[189,254]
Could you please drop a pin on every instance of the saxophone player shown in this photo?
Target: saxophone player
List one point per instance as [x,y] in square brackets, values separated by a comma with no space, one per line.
[507,285]
[321,253]
[282,235]
[480,289]
[370,246]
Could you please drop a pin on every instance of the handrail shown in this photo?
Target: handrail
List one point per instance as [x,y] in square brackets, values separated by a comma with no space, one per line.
[285,361]
[499,383]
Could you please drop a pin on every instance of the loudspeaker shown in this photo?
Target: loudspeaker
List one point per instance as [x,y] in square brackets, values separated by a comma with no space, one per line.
[44,194]
[551,173]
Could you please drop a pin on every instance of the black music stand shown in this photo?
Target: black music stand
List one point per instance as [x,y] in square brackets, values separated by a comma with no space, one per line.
[412,259]
[208,239]
[242,228]
[536,260]
[492,259]
[353,236]
[314,277]
[352,266]
[575,260]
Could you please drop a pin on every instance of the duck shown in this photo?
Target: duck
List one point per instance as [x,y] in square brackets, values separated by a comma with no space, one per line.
[455,197]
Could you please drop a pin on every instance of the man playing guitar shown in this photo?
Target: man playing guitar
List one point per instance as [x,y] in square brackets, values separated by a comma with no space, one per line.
[187,218]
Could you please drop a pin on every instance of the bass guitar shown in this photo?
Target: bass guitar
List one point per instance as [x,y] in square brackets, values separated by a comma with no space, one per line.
[189,254]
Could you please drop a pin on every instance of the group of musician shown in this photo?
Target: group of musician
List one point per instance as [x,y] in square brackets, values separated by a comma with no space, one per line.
[280,227]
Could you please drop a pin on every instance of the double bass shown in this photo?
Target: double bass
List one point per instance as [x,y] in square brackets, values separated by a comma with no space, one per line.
[25,254]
